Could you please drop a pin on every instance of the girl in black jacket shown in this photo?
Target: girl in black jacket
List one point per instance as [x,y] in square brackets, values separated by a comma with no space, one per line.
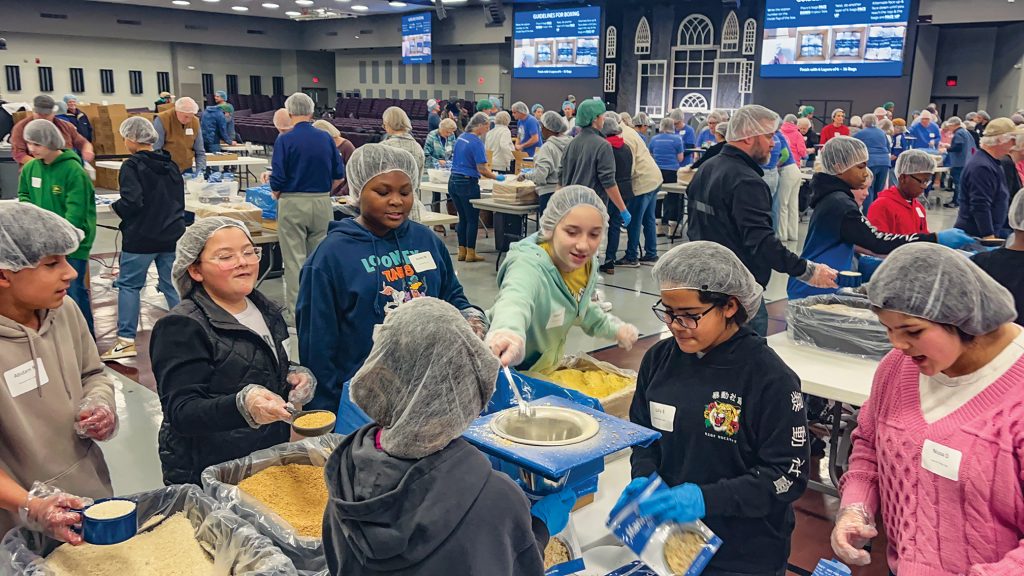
[623,179]
[221,368]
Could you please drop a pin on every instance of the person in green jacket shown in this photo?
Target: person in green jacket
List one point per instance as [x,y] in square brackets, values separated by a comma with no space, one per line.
[546,282]
[56,181]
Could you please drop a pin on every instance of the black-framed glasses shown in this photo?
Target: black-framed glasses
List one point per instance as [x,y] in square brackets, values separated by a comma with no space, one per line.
[924,184]
[688,321]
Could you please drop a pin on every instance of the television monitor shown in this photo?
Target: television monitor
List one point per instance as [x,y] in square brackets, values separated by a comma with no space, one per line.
[416,38]
[561,43]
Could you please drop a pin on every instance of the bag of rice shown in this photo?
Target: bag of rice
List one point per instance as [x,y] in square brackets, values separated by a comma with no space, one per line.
[670,549]
[563,554]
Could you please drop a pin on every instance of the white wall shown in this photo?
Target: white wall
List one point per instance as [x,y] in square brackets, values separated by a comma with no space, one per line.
[971,11]
[481,62]
[923,77]
[967,54]
[242,62]
[1006,95]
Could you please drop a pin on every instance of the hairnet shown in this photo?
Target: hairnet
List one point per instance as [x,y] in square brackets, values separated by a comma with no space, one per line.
[667,126]
[372,160]
[1016,215]
[838,111]
[708,267]
[69,98]
[641,119]
[588,111]
[954,121]
[448,124]
[421,394]
[299,104]
[563,201]
[625,118]
[569,105]
[431,104]
[502,118]
[222,94]
[750,121]
[722,116]
[282,120]
[44,133]
[885,125]
[984,115]
[722,129]
[138,129]
[484,104]
[554,122]
[226,107]
[191,245]
[869,120]
[914,162]
[938,284]
[520,107]
[925,115]
[479,119]
[790,119]
[611,124]
[394,118]
[805,111]
[880,112]
[44,105]
[889,105]
[842,153]
[29,233]
[1017,118]
[62,108]
[855,121]
[187,105]
[535,107]
[677,115]
[326,126]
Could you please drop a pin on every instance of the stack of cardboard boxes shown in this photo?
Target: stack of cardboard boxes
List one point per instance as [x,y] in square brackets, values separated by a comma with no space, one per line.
[106,123]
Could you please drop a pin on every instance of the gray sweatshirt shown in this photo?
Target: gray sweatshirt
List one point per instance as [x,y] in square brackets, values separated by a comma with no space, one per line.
[547,163]
[589,161]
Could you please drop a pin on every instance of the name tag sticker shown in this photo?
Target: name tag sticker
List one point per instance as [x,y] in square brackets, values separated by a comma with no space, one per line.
[557,318]
[22,379]
[189,132]
[941,460]
[37,182]
[423,262]
[663,416]
[919,211]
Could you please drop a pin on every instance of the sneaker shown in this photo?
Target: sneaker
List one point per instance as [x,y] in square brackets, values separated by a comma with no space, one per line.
[648,260]
[122,349]
[627,263]
[951,205]
[608,268]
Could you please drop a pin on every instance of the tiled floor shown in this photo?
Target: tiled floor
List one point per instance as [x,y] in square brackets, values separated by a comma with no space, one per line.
[132,454]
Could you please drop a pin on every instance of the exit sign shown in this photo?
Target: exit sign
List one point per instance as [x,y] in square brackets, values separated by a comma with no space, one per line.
[951,81]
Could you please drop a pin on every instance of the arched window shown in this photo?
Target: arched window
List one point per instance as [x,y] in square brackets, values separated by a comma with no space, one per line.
[731,33]
[749,37]
[696,31]
[610,41]
[693,102]
[642,42]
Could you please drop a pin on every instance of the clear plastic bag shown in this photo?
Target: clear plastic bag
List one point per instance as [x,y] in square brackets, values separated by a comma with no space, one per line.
[571,542]
[220,481]
[839,323]
[238,550]
[669,549]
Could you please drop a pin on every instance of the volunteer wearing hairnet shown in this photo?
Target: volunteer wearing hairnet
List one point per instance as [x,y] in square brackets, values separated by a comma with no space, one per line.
[499,143]
[720,131]
[730,204]
[838,226]
[897,209]
[412,459]
[537,110]
[368,266]
[179,132]
[221,367]
[1006,264]
[76,117]
[469,164]
[545,285]
[836,128]
[152,212]
[624,181]
[569,113]
[937,451]
[51,417]
[734,444]
[44,108]
[547,162]
[706,138]
[433,115]
[528,129]
[589,160]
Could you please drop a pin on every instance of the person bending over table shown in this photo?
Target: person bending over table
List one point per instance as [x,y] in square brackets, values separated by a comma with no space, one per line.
[546,282]
[734,444]
[938,444]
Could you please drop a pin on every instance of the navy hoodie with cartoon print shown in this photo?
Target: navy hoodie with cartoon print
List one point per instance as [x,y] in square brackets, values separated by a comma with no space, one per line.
[347,285]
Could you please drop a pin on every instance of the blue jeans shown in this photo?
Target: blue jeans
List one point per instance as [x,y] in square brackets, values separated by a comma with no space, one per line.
[759,323]
[79,292]
[461,190]
[614,232]
[954,175]
[132,279]
[881,174]
[542,203]
[642,209]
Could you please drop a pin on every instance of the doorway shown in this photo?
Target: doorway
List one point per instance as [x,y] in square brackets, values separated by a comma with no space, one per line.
[949,107]
[319,96]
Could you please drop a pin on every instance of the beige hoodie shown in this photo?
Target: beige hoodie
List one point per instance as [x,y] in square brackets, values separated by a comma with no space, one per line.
[37,415]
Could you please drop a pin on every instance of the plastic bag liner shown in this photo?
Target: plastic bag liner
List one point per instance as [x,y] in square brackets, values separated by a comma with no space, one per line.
[263,197]
[616,403]
[238,550]
[656,544]
[571,542]
[839,323]
[220,481]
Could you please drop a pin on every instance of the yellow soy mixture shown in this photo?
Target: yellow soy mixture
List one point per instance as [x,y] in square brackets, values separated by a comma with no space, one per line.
[314,420]
[295,492]
[170,549]
[593,383]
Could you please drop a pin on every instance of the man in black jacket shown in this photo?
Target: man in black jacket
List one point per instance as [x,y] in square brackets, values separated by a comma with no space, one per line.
[730,204]
[152,211]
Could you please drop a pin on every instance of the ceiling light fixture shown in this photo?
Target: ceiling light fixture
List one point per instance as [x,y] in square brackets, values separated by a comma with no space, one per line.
[292,13]
[304,2]
[211,1]
[271,5]
[240,8]
[396,4]
[454,1]
[360,8]
[180,2]
[345,1]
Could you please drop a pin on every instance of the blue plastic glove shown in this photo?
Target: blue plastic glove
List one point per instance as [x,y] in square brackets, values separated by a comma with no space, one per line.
[632,489]
[683,504]
[499,177]
[954,238]
[554,510]
[626,217]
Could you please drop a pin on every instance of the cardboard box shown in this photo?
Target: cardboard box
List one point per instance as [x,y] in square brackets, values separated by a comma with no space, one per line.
[163,107]
[107,178]
[221,156]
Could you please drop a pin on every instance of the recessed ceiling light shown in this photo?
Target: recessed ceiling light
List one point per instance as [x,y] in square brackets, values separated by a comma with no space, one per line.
[360,8]
[180,2]
[454,1]
[357,37]
[292,13]
[345,1]
[211,1]
[240,8]
[271,5]
[304,2]
[396,4]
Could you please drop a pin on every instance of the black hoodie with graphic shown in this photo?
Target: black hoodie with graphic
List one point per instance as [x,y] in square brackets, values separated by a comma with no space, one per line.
[448,513]
[152,204]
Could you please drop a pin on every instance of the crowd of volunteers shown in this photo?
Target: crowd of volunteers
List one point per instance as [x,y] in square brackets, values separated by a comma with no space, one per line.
[382,319]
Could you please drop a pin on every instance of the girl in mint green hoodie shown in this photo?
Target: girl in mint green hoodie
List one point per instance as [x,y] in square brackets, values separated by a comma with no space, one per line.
[546,283]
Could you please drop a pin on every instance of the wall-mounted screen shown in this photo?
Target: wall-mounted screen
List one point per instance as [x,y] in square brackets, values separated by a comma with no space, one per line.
[834,38]
[416,39]
[557,43]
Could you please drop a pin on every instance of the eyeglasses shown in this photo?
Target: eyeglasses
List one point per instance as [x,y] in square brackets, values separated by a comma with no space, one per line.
[229,261]
[922,183]
[688,321]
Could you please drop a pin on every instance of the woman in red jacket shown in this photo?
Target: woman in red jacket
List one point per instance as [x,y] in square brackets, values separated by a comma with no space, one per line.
[836,128]
[897,209]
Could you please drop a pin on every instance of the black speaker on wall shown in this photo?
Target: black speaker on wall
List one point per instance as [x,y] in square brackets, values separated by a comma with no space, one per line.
[494,14]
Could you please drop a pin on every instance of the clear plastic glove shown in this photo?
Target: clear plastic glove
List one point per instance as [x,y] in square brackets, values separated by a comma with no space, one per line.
[499,177]
[260,406]
[95,420]
[635,487]
[683,504]
[265,177]
[509,347]
[303,385]
[823,277]
[554,510]
[854,529]
[626,336]
[626,217]
[49,510]
[521,178]
[954,238]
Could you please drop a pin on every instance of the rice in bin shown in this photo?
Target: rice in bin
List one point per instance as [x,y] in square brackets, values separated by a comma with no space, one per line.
[295,492]
[170,549]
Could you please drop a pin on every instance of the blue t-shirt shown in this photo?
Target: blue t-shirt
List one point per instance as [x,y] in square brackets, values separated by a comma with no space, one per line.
[773,160]
[785,147]
[925,137]
[527,128]
[689,141]
[877,144]
[666,149]
[469,152]
[706,139]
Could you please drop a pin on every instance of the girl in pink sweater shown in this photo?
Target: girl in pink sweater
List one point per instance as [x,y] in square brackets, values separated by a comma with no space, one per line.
[939,447]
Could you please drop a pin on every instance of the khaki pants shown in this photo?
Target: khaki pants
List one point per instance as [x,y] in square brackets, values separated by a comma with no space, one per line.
[302,220]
